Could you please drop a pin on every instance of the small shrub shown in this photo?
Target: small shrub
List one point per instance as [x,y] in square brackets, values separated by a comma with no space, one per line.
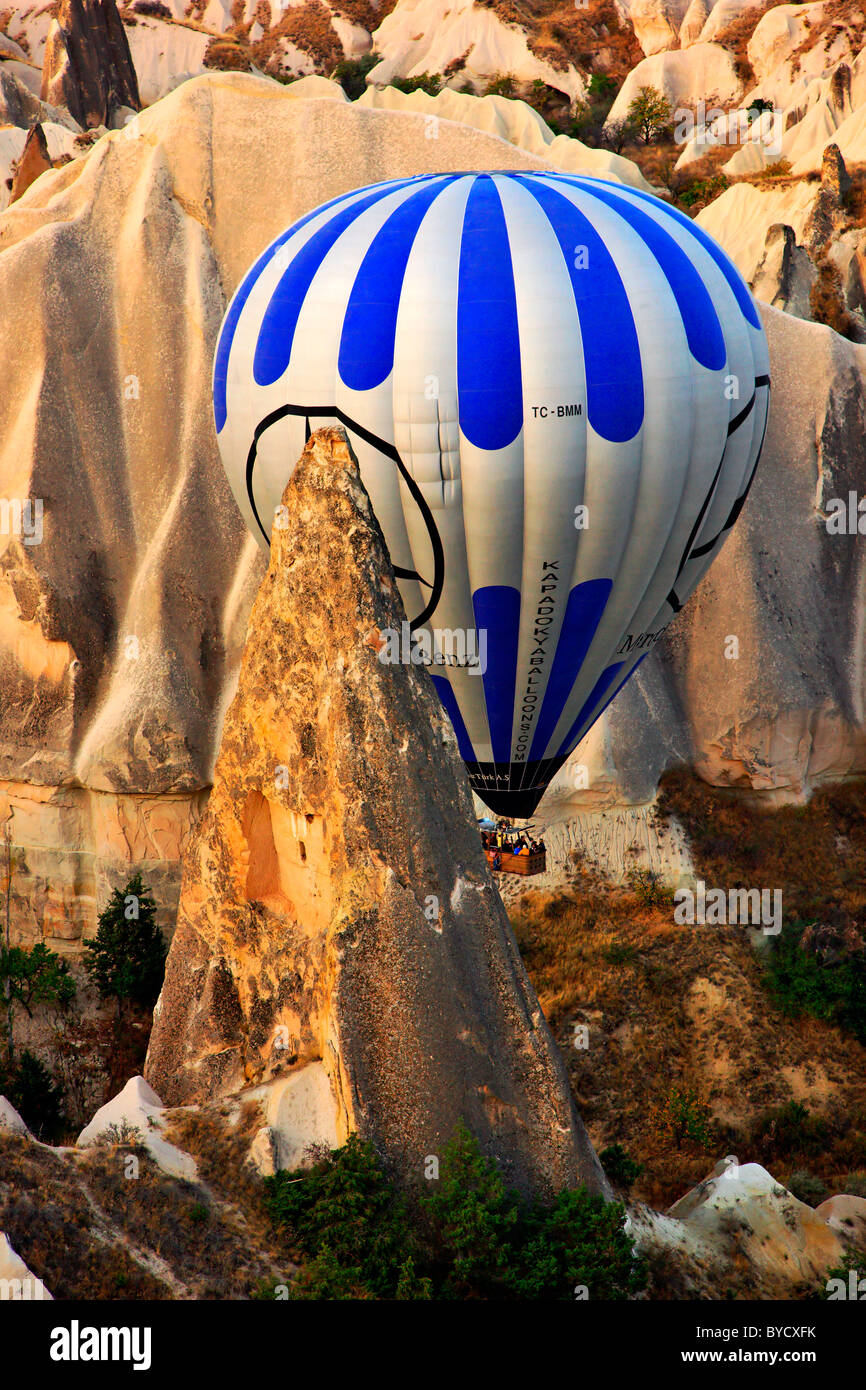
[789,1131]
[619,1166]
[351,74]
[501,85]
[807,1188]
[831,987]
[683,1119]
[855,1185]
[429,82]
[702,191]
[650,888]
[123,1134]
[38,976]
[777,170]
[853,1262]
[619,954]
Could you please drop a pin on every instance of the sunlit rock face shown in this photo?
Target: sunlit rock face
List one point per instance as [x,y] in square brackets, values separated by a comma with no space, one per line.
[336,909]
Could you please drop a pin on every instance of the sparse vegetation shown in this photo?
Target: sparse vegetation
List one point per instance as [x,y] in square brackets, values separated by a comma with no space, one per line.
[807,1188]
[827,301]
[429,82]
[820,972]
[683,1119]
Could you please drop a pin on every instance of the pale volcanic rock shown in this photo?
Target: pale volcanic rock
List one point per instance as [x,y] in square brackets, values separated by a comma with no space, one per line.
[704,72]
[319,922]
[740,1233]
[136,1114]
[20,107]
[657,23]
[428,35]
[723,13]
[694,20]
[10,1120]
[163,55]
[514,121]
[87,65]
[846,1215]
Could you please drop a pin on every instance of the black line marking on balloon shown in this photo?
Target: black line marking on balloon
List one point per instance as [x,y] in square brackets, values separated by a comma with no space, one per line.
[334,412]
[739,503]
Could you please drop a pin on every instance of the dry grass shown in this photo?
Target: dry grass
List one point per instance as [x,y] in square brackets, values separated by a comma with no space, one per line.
[676,1006]
[220,1150]
[309,27]
[816,852]
[228,54]
[827,301]
[46,1214]
[593,37]
[106,1223]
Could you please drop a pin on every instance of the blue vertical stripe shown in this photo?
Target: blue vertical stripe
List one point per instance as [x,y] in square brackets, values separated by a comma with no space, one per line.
[614,375]
[489,381]
[701,322]
[236,308]
[370,324]
[277,331]
[586,604]
[497,612]
[738,286]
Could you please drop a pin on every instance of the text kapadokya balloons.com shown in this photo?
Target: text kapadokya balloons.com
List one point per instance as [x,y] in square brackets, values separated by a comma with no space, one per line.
[557,389]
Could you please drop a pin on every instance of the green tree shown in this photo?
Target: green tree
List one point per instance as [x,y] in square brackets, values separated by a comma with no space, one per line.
[126,961]
[650,111]
[30,1087]
[467,1237]
[36,977]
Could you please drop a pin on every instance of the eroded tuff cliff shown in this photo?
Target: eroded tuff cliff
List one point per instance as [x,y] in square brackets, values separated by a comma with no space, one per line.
[336,909]
[123,611]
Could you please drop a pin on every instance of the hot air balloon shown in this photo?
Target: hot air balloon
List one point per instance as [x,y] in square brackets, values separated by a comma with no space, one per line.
[557,390]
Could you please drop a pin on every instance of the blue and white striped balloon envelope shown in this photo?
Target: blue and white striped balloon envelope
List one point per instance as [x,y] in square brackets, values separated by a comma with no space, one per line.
[557,389]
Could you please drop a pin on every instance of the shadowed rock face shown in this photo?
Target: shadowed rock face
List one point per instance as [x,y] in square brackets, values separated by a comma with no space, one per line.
[34,160]
[87,66]
[336,908]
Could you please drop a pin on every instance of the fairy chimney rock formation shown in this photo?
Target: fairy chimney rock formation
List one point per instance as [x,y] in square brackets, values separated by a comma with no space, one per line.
[88,66]
[337,918]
